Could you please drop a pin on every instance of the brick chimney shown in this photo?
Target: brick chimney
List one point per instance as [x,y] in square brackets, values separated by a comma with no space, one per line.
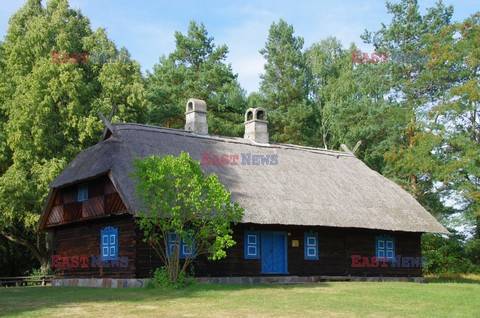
[196,117]
[256,125]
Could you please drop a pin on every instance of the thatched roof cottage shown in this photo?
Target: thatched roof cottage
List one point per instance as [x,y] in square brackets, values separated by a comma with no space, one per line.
[308,211]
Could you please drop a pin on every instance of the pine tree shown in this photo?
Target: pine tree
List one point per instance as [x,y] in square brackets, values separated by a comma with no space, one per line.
[410,161]
[453,67]
[196,69]
[284,87]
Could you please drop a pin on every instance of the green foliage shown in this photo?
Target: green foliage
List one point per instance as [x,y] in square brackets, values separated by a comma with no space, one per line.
[472,249]
[49,110]
[284,87]
[419,122]
[454,63]
[350,103]
[161,279]
[196,69]
[16,260]
[36,274]
[407,33]
[449,255]
[179,199]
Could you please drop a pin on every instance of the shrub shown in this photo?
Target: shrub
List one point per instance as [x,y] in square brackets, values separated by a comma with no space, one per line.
[449,255]
[161,279]
[36,274]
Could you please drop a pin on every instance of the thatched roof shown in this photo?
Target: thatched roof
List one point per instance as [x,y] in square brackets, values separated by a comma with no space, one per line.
[309,186]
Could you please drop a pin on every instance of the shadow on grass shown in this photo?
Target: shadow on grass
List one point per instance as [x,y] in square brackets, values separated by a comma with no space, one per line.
[454,278]
[18,300]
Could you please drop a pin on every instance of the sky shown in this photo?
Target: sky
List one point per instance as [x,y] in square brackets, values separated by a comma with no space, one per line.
[146,28]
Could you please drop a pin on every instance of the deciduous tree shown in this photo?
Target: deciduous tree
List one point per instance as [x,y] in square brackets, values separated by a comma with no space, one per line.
[182,206]
[49,110]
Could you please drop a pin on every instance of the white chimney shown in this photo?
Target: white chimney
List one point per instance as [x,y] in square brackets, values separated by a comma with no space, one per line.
[196,117]
[256,125]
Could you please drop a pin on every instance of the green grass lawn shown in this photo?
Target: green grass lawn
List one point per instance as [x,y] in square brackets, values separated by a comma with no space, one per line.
[440,298]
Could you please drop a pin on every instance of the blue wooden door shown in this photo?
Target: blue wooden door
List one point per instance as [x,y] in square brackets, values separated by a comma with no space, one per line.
[274,253]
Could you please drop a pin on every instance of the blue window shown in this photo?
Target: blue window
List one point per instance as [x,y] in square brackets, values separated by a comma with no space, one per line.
[311,246]
[252,245]
[109,243]
[186,249]
[385,247]
[82,194]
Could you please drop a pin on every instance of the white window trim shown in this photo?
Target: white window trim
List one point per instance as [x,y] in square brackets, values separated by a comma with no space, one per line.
[254,247]
[254,239]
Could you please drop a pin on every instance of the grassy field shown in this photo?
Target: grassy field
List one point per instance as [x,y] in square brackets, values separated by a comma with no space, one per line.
[443,297]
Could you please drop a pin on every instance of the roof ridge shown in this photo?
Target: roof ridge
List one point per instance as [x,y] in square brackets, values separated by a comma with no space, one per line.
[230,139]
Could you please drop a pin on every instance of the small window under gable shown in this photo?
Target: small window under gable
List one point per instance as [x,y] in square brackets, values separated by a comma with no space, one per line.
[82,194]
[385,247]
[109,243]
[252,245]
[311,246]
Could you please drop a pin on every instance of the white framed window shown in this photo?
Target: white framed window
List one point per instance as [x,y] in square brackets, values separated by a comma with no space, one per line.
[385,247]
[109,243]
[185,250]
[252,245]
[311,246]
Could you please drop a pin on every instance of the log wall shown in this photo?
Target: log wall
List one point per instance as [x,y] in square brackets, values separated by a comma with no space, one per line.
[336,246]
[83,239]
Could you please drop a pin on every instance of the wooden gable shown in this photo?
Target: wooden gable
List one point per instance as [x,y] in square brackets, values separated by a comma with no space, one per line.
[103,200]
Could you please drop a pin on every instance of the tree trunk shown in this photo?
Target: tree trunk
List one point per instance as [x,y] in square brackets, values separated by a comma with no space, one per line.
[413,181]
[40,250]
[478,226]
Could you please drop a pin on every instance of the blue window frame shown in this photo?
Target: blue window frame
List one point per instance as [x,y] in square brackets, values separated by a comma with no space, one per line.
[311,246]
[109,243]
[385,247]
[185,249]
[252,245]
[82,194]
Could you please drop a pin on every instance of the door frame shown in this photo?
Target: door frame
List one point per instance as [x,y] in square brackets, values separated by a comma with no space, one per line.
[285,235]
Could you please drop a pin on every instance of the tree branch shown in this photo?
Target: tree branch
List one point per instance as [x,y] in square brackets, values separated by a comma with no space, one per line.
[24,242]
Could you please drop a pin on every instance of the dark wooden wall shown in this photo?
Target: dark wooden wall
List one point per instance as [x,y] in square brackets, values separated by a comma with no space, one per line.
[103,199]
[336,245]
[83,239]
[147,259]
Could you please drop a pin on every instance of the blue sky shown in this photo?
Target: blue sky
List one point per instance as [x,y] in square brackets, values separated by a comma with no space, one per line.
[146,28]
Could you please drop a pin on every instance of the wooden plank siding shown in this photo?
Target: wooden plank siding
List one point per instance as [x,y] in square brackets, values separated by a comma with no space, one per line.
[103,200]
[335,247]
[83,239]
[147,259]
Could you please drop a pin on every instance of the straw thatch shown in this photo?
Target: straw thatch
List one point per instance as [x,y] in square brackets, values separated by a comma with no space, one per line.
[309,186]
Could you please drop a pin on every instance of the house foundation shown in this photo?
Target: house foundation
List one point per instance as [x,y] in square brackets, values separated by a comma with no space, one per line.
[137,283]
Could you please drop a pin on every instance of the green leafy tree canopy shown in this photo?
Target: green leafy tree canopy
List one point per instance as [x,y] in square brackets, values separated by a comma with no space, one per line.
[180,201]
[49,111]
